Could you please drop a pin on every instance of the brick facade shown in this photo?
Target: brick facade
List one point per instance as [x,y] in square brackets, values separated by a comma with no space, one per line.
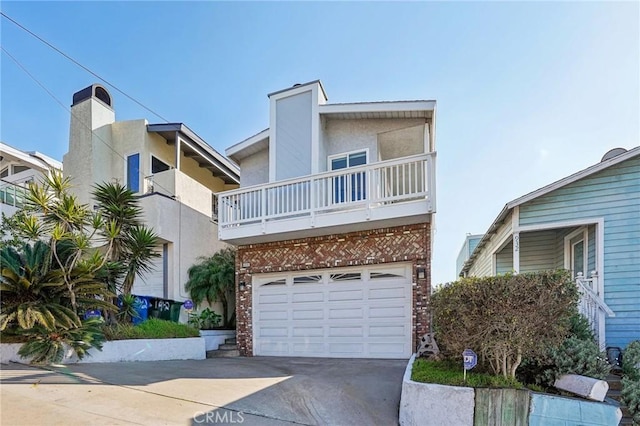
[410,243]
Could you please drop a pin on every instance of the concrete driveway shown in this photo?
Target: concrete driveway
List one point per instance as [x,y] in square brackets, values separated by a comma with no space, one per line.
[249,391]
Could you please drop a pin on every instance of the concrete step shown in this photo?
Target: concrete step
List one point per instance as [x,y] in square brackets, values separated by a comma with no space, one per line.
[614,381]
[228,346]
[230,341]
[229,353]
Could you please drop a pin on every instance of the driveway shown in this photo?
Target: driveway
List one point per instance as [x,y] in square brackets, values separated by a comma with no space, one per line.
[248,391]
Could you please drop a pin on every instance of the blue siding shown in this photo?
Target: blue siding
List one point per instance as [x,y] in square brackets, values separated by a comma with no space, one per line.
[613,194]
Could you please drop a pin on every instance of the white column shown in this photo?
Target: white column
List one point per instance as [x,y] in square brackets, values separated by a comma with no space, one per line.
[177,151]
[515,226]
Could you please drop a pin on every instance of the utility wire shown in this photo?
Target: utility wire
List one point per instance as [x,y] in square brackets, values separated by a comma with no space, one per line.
[26,71]
[80,65]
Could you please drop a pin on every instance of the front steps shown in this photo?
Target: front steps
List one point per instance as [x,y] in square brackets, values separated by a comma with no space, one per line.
[613,397]
[228,349]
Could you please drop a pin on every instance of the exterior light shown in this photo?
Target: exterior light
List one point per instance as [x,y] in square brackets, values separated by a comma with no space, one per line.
[422,273]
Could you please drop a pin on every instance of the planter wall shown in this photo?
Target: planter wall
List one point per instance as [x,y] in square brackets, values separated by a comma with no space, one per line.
[429,404]
[215,338]
[124,350]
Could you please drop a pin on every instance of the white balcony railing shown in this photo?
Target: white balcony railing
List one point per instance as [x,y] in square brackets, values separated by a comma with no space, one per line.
[358,188]
[592,306]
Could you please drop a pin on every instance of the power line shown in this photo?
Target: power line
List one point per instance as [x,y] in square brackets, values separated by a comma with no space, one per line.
[81,66]
[39,83]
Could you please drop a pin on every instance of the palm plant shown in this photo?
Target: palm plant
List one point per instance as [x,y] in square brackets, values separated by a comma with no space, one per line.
[133,248]
[213,280]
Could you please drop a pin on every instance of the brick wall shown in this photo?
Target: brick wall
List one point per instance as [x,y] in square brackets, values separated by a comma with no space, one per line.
[410,243]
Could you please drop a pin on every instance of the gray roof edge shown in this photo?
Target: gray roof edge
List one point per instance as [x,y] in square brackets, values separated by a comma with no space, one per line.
[232,169]
[301,85]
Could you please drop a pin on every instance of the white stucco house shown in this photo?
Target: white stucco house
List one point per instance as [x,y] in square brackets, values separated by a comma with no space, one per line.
[17,169]
[333,224]
[175,173]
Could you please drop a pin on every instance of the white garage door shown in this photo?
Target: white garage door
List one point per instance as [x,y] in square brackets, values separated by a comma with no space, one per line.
[339,313]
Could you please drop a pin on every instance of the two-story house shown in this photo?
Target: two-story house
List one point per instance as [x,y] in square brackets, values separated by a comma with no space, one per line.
[333,224]
[175,173]
[17,169]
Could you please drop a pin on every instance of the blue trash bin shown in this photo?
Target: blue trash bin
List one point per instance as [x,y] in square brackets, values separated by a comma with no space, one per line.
[142,309]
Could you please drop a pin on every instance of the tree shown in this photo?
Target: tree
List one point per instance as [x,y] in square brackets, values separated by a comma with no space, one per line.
[505,318]
[213,280]
[134,248]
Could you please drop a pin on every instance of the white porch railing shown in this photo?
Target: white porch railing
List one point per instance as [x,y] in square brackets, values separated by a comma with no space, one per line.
[592,306]
[369,186]
[12,194]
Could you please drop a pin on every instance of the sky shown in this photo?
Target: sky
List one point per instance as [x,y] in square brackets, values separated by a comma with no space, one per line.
[527,92]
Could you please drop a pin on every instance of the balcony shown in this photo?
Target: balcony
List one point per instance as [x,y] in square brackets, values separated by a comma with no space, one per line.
[387,193]
[175,184]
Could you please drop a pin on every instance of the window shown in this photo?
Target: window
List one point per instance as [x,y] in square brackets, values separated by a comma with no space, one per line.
[17,169]
[349,187]
[158,166]
[133,172]
[4,173]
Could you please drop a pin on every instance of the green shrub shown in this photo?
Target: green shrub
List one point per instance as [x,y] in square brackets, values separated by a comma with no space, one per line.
[542,370]
[449,373]
[46,346]
[630,396]
[576,356]
[150,329]
[631,360]
[205,320]
[504,318]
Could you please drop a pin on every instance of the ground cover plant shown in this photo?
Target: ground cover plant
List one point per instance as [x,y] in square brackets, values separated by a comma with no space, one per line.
[150,329]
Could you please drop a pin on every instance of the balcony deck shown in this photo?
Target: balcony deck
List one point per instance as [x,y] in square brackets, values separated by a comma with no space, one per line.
[386,193]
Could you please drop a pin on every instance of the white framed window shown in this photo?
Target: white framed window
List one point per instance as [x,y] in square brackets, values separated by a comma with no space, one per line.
[4,172]
[349,187]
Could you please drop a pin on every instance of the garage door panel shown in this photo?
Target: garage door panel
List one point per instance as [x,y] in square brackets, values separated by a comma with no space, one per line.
[389,331]
[267,299]
[346,313]
[272,315]
[310,314]
[307,297]
[273,331]
[387,349]
[346,295]
[273,348]
[345,331]
[308,331]
[308,349]
[387,312]
[357,349]
[387,293]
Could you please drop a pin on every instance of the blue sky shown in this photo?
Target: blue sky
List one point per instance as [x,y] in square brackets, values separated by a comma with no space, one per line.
[527,92]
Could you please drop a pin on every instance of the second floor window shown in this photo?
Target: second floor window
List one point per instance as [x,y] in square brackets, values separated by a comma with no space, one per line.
[349,187]
[133,172]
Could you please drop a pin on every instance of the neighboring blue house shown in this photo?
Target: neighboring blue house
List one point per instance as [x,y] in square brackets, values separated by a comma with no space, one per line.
[588,223]
[470,244]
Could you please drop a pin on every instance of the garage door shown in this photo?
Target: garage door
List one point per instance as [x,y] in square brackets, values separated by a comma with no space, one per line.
[340,313]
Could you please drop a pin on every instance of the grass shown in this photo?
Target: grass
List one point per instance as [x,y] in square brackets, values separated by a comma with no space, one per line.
[449,373]
[150,329]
